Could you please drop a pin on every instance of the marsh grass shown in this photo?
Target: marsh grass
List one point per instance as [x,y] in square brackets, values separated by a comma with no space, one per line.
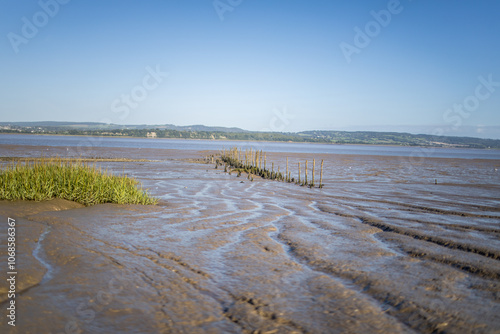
[73,181]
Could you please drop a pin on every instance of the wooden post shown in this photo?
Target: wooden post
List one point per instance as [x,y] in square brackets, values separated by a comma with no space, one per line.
[306,172]
[265,160]
[299,172]
[287,169]
[321,176]
[314,167]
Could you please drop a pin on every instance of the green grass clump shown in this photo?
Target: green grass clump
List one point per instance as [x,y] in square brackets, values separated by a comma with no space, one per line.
[76,182]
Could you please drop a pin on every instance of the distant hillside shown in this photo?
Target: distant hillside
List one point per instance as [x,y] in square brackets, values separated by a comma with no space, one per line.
[222,133]
[102,126]
[396,138]
[197,128]
[54,124]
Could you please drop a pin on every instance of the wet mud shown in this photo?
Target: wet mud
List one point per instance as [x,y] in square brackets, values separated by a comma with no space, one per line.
[380,249]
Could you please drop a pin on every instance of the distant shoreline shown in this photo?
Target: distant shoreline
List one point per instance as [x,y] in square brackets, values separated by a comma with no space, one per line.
[444,145]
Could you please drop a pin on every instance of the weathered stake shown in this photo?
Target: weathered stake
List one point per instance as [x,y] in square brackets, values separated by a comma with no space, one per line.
[321,176]
[306,172]
[255,163]
[299,172]
[314,167]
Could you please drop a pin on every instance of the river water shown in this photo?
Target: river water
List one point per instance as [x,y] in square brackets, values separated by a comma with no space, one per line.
[399,240]
[84,144]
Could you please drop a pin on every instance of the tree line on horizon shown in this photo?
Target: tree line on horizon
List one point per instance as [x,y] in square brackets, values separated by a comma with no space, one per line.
[330,137]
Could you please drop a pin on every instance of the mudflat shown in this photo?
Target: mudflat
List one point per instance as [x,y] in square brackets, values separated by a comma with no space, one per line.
[381,248]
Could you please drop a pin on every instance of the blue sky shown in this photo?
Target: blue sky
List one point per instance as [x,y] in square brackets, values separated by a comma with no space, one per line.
[260,65]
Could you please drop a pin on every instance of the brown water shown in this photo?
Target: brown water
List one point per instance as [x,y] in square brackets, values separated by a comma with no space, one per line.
[380,249]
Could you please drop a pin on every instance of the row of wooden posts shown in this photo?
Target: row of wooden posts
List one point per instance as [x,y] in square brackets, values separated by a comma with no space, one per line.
[254,162]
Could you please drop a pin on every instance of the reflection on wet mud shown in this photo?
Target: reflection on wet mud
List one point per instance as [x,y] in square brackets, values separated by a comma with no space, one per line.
[380,249]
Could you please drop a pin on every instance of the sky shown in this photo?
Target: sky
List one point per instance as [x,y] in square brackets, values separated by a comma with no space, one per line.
[261,65]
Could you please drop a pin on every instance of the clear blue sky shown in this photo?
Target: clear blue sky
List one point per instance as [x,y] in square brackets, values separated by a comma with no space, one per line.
[246,63]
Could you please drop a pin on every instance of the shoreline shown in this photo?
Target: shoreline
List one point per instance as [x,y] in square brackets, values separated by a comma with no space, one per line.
[139,154]
[61,159]
[264,141]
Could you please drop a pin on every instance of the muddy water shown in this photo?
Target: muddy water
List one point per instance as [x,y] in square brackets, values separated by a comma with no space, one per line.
[380,249]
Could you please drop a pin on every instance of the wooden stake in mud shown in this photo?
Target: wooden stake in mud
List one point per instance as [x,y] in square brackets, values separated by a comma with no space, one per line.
[314,167]
[265,160]
[321,176]
[287,179]
[306,171]
[299,172]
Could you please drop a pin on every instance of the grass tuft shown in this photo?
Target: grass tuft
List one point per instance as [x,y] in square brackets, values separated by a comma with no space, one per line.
[78,182]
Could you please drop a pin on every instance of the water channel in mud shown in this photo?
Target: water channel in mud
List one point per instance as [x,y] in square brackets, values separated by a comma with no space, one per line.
[381,248]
